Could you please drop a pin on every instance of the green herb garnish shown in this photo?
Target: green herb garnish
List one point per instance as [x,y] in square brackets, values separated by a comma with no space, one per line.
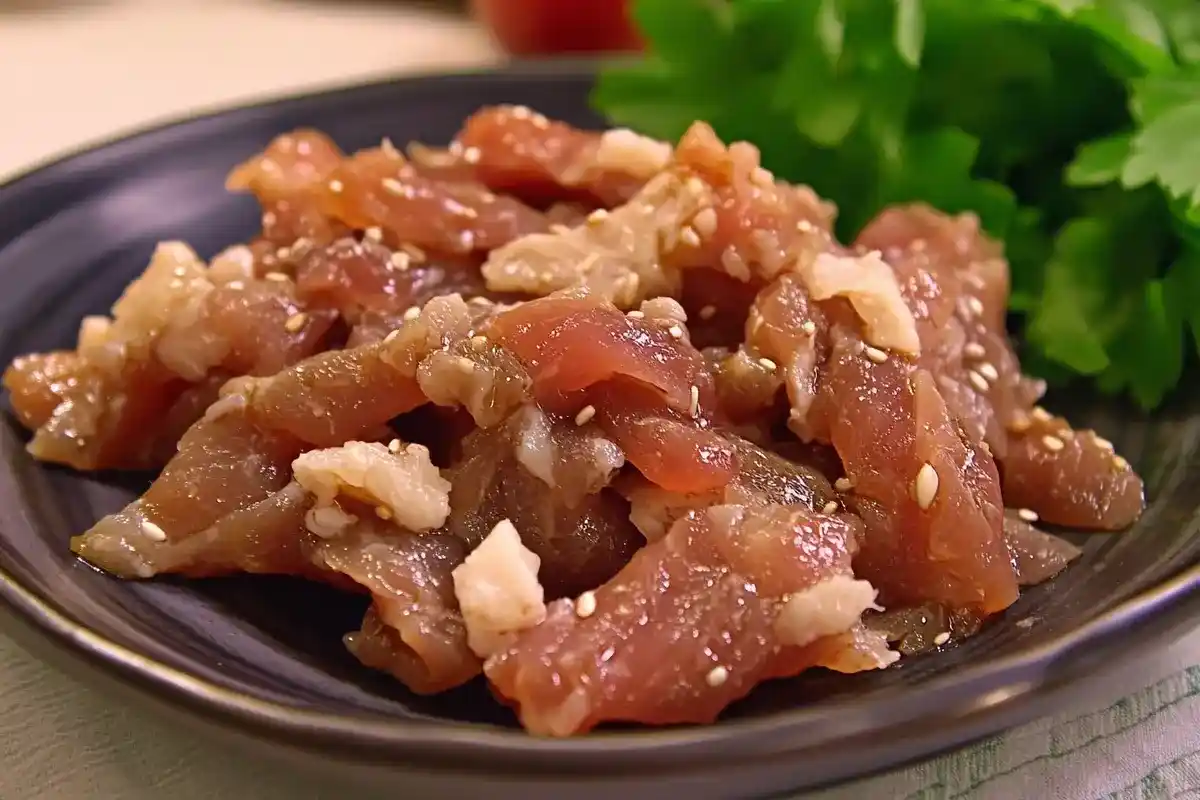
[1072,127]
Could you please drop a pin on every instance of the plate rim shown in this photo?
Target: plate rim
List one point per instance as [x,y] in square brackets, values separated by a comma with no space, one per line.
[1011,685]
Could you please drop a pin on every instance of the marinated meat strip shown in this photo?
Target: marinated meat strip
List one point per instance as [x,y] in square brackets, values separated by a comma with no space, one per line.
[413,629]
[225,463]
[548,477]
[763,478]
[692,623]
[1037,556]
[106,404]
[515,150]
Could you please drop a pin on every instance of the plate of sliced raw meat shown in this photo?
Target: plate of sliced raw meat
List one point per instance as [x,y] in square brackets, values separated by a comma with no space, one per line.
[433,433]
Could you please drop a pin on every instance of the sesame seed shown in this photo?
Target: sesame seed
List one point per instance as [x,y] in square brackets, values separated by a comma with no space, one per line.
[336,186]
[675,331]
[383,512]
[392,336]
[768,364]
[977,381]
[925,487]
[283,253]
[153,532]
[278,277]
[636,315]
[400,260]
[1027,514]
[830,507]
[708,312]
[716,676]
[987,370]
[689,236]
[412,313]
[585,606]
[974,350]
[941,639]
[393,186]
[843,484]
[694,401]
[295,322]
[875,354]
[585,415]
[479,341]
[394,446]
[375,234]
[1120,463]
[975,304]
[1053,443]
[472,155]
[809,327]
[388,148]
[597,216]
[414,252]
[268,219]
[804,226]
[1102,443]
[1041,414]
[1019,423]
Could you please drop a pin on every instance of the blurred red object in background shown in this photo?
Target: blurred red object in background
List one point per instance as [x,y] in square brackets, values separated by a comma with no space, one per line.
[547,27]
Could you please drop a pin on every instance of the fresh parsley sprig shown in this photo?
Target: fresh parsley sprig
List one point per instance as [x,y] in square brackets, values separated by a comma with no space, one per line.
[1072,127]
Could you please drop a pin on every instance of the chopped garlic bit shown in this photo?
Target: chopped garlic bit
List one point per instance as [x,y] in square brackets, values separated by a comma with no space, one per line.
[871,287]
[832,606]
[498,590]
[405,482]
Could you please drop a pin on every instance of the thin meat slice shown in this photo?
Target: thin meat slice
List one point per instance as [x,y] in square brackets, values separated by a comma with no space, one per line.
[225,464]
[929,495]
[763,478]
[1037,556]
[515,150]
[106,405]
[358,278]
[378,188]
[413,629]
[547,476]
[287,179]
[346,394]
[692,623]
[1068,477]
[571,342]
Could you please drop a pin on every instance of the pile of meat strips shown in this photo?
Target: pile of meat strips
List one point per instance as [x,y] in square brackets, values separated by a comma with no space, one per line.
[617,424]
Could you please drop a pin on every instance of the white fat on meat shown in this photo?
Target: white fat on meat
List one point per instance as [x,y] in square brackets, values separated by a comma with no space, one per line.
[498,591]
[872,289]
[401,479]
[833,606]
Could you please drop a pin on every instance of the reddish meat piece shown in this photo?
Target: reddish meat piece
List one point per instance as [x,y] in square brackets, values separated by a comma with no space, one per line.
[378,188]
[547,476]
[1071,478]
[519,151]
[225,464]
[687,627]
[413,629]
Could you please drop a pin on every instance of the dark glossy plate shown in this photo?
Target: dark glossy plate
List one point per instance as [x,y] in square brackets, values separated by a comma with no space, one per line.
[261,659]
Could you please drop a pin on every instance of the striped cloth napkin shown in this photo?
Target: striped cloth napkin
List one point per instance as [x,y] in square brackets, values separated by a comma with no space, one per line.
[1139,746]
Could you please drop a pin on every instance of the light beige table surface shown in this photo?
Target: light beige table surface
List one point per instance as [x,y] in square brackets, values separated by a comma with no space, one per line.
[71,73]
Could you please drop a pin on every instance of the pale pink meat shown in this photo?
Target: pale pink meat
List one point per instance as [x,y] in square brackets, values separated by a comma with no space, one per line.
[705,597]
